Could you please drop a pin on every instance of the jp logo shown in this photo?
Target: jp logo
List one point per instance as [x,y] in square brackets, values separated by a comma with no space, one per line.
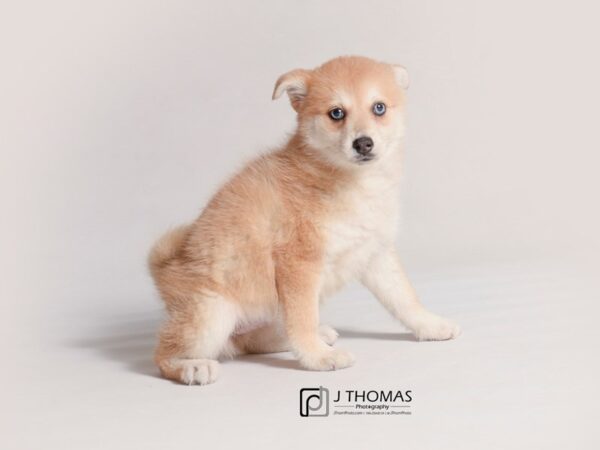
[314,402]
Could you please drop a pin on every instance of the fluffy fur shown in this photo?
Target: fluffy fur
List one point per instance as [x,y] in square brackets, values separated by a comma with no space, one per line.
[292,228]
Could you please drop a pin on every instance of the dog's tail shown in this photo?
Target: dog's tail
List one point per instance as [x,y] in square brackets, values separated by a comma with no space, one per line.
[166,248]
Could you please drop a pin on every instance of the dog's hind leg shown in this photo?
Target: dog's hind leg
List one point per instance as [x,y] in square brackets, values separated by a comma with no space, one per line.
[195,335]
[269,338]
[273,339]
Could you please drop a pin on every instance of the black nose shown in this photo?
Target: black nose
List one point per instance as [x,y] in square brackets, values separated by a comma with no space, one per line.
[363,145]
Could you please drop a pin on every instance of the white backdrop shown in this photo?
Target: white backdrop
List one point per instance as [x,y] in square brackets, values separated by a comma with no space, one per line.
[119,119]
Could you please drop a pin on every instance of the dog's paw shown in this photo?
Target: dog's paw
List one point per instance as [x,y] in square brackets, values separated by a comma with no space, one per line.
[199,371]
[328,334]
[333,359]
[436,328]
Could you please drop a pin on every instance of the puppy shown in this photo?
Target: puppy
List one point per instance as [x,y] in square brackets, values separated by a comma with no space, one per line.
[292,228]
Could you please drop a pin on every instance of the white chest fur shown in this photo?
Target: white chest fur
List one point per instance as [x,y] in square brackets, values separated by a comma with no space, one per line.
[365,222]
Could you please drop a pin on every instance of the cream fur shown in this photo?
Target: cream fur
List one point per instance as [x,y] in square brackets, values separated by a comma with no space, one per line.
[292,228]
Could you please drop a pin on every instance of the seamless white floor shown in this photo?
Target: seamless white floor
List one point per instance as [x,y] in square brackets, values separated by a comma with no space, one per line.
[524,374]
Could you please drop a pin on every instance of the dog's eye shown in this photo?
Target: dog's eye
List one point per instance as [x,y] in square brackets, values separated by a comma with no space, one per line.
[337,113]
[379,109]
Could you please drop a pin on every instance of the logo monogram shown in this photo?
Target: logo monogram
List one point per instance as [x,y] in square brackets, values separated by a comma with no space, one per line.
[314,402]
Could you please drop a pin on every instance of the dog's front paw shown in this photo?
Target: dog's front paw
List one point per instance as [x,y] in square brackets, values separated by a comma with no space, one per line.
[333,359]
[328,334]
[199,371]
[436,328]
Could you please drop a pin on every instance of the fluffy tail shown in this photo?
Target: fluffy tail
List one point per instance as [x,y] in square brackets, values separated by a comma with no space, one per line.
[166,248]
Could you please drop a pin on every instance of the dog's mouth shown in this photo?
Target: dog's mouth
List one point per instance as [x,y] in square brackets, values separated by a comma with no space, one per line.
[363,159]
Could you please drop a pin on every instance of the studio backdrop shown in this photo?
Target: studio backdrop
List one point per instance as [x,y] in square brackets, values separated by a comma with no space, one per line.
[119,120]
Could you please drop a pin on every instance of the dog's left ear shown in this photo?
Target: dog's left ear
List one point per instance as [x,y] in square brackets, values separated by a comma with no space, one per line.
[401,75]
[295,83]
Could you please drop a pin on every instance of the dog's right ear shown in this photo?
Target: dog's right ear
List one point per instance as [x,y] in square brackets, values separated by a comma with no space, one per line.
[295,83]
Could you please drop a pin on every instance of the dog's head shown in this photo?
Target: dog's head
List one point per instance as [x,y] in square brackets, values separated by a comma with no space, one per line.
[350,109]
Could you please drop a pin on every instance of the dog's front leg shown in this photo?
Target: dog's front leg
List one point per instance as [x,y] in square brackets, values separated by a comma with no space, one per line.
[297,287]
[386,279]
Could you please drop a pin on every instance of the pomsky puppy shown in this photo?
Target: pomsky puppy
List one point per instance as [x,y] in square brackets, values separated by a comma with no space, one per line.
[293,227]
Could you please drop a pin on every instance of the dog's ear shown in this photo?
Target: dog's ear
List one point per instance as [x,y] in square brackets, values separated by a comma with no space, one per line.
[401,75]
[295,83]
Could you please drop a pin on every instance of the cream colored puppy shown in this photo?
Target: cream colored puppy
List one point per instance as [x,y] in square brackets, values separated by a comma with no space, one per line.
[292,228]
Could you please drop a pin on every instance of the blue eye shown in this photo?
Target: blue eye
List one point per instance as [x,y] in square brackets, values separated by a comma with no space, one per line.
[379,109]
[337,113]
